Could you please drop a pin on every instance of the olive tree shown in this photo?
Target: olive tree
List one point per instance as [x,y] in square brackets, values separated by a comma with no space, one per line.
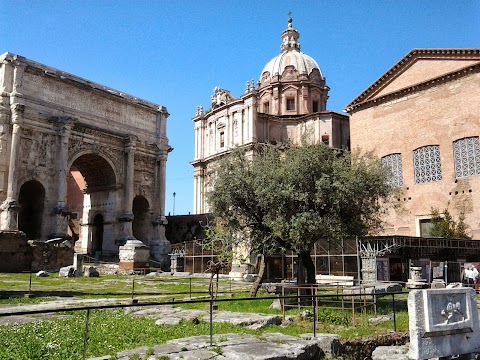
[287,197]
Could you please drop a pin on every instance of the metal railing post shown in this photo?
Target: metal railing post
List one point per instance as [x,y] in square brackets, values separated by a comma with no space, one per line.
[353,309]
[133,291]
[314,304]
[298,299]
[190,287]
[85,335]
[394,313]
[211,322]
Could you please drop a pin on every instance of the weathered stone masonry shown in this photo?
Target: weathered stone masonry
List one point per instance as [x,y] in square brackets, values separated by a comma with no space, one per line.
[54,125]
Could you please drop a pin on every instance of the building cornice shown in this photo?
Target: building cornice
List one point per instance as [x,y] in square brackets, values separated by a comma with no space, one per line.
[44,70]
[362,100]
[305,116]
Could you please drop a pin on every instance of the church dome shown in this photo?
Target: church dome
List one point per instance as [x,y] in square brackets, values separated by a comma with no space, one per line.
[291,56]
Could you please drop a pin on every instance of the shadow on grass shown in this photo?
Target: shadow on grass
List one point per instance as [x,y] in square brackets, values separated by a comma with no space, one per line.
[11,294]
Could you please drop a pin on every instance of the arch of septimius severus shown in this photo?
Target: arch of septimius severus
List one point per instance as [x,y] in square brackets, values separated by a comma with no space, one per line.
[78,159]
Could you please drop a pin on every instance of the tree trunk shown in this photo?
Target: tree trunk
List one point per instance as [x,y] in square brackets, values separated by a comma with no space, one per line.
[307,262]
[261,275]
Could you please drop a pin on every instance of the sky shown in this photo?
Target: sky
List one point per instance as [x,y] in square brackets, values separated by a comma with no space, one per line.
[174,52]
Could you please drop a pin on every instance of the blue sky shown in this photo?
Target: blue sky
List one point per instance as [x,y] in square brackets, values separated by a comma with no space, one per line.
[175,52]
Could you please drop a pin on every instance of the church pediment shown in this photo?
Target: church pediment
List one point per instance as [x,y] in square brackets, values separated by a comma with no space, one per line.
[417,68]
[290,87]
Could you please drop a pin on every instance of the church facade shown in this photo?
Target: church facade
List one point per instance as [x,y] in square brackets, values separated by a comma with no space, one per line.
[288,104]
[422,118]
[79,160]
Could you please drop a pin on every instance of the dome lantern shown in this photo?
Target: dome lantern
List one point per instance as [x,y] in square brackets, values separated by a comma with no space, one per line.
[290,38]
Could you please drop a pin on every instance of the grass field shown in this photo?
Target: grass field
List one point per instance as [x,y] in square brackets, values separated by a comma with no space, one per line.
[62,336]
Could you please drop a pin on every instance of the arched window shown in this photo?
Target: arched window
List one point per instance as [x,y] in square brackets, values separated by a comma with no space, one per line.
[466,155]
[427,164]
[393,163]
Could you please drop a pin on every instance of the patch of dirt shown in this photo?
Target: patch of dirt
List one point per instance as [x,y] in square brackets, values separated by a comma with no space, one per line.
[362,348]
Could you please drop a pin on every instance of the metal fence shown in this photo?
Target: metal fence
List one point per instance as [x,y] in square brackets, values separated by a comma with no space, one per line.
[311,300]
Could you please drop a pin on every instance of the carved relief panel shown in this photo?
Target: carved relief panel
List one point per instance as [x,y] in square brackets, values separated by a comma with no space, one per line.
[144,178]
[38,153]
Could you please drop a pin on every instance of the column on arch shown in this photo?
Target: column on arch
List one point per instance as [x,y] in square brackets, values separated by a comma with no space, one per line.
[10,207]
[159,245]
[126,217]
[60,211]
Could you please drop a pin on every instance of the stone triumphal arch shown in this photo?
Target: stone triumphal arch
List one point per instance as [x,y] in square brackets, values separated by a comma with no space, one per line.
[79,160]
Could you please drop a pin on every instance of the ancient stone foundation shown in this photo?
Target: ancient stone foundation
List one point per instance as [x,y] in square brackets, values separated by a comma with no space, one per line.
[18,254]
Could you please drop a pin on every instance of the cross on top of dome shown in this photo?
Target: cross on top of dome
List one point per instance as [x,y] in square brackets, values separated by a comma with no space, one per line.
[290,38]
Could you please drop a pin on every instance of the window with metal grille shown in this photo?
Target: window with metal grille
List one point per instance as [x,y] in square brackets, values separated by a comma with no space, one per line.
[466,155]
[393,163]
[427,164]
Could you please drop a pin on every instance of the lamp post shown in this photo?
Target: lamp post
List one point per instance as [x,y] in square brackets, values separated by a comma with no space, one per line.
[174,193]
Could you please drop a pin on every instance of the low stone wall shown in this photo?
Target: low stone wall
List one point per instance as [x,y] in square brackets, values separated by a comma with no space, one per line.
[49,257]
[15,252]
[18,254]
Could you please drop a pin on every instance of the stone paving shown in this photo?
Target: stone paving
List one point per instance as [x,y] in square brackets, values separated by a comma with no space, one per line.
[170,315]
[269,346]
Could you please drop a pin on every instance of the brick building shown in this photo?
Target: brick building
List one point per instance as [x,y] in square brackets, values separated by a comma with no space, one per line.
[422,118]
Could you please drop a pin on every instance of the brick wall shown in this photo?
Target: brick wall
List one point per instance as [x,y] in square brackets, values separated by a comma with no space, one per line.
[437,115]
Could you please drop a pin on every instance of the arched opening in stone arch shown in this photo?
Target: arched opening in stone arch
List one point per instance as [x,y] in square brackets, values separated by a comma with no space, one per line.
[31,199]
[141,217]
[92,200]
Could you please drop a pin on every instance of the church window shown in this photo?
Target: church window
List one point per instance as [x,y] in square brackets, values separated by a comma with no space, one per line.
[222,138]
[425,227]
[266,108]
[466,155]
[393,163]
[315,106]
[427,164]
[290,104]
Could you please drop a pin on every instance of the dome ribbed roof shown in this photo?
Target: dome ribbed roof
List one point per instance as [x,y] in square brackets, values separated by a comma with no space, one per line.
[302,63]
[291,56]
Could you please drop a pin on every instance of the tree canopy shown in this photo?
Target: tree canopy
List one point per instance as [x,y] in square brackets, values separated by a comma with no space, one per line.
[445,226]
[287,197]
